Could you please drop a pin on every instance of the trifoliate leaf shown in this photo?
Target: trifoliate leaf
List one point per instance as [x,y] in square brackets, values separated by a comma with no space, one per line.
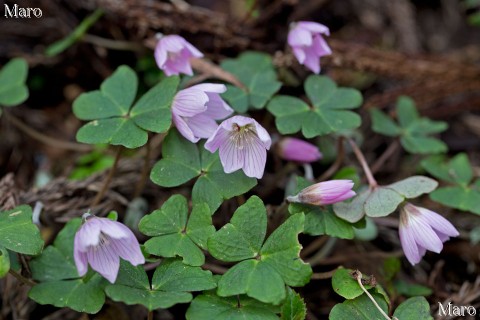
[18,233]
[173,236]
[327,113]
[211,306]
[463,195]
[381,201]
[183,161]
[265,269]
[112,118]
[416,308]
[414,132]
[345,285]
[171,284]
[13,90]
[255,70]
[411,289]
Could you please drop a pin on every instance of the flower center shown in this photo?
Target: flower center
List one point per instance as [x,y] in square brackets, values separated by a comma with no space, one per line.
[241,136]
[104,241]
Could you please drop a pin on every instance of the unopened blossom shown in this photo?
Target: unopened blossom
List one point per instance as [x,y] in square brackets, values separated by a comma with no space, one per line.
[101,243]
[323,193]
[243,144]
[308,45]
[421,230]
[294,149]
[173,54]
[195,109]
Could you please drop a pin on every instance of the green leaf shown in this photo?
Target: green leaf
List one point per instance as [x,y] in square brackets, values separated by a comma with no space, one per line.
[381,123]
[323,221]
[274,264]
[282,252]
[56,261]
[458,197]
[353,210]
[411,289]
[113,120]
[174,237]
[115,131]
[345,285]
[416,308]
[67,293]
[63,44]
[360,308]
[171,284]
[412,130]
[152,111]
[18,233]
[414,187]
[255,70]
[242,238]
[458,170]
[4,262]
[369,232]
[210,306]
[382,201]
[328,113]
[183,161]
[258,280]
[13,75]
[391,266]
[294,307]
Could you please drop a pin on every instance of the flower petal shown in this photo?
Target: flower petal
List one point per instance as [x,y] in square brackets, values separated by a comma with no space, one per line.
[189,102]
[438,223]
[314,27]
[210,87]
[105,261]
[299,36]
[114,229]
[192,49]
[299,54]
[409,245]
[263,135]
[255,158]
[217,108]
[184,129]
[321,47]
[89,233]
[231,156]
[218,138]
[80,257]
[425,236]
[202,126]
[129,249]
[312,61]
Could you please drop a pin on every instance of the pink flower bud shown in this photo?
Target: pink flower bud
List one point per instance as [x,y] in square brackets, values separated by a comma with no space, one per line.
[173,54]
[421,230]
[323,193]
[294,149]
[307,43]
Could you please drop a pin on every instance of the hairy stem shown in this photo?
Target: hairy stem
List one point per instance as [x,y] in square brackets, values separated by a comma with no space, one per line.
[359,280]
[102,191]
[387,154]
[21,278]
[361,158]
[150,315]
[52,142]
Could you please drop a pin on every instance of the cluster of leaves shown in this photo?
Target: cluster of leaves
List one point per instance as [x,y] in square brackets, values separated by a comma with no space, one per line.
[258,284]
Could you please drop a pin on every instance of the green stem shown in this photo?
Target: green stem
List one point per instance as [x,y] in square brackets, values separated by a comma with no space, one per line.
[102,191]
[359,280]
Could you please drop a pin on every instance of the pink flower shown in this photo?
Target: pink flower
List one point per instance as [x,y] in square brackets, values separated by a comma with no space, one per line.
[294,149]
[243,144]
[195,109]
[421,230]
[323,193]
[101,243]
[173,54]
[307,43]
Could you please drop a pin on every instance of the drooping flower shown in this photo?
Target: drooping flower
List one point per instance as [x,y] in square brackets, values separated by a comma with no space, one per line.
[101,243]
[243,144]
[323,193]
[173,54]
[195,109]
[308,44]
[294,149]
[421,230]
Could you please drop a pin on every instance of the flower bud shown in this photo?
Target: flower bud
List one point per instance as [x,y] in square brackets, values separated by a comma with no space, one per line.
[294,149]
[323,193]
